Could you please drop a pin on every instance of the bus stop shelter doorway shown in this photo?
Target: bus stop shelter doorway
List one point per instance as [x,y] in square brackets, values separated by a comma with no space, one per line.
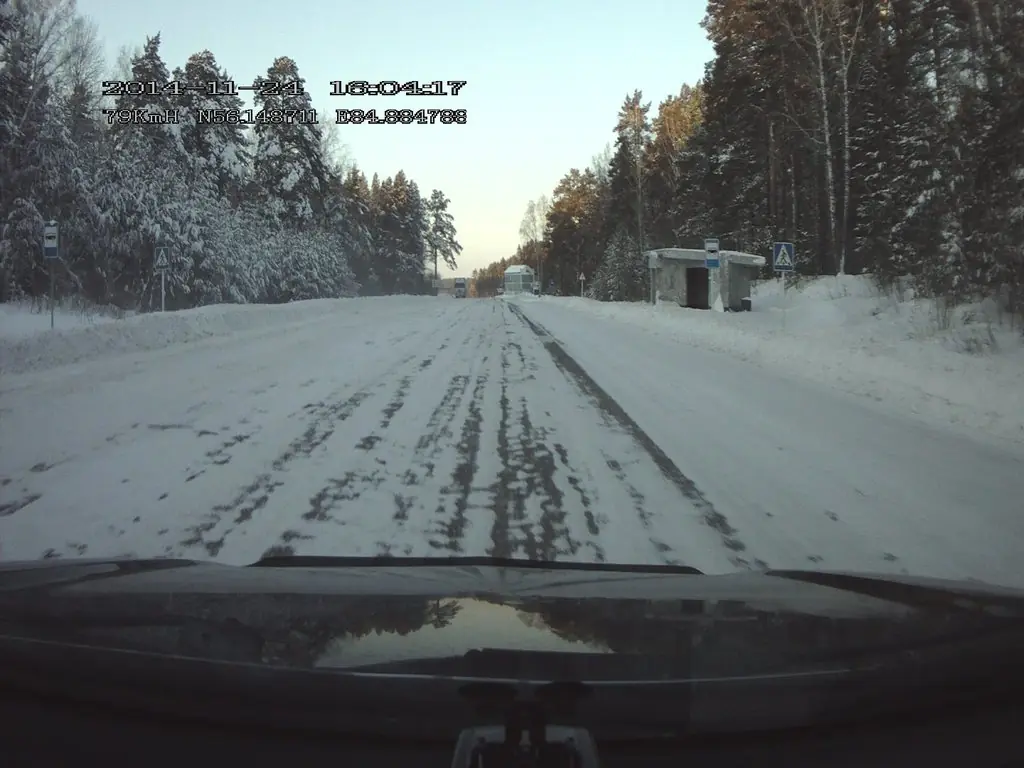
[697,288]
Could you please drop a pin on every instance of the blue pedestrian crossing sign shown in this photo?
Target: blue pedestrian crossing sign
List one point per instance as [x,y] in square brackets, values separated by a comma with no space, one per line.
[784,259]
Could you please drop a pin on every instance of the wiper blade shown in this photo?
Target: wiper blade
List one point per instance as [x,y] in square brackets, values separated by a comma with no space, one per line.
[225,639]
[987,641]
[972,600]
[318,561]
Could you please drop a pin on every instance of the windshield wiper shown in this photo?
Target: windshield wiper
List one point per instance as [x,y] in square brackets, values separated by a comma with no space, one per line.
[968,601]
[988,642]
[222,639]
[321,561]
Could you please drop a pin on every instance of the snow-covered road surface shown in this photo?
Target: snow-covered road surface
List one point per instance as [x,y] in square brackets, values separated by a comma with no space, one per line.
[429,426]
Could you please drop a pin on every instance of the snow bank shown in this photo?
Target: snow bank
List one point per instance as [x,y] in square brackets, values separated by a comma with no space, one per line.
[26,318]
[27,343]
[965,368]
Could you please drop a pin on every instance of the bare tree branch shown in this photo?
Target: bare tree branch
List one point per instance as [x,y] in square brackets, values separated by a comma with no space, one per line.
[82,60]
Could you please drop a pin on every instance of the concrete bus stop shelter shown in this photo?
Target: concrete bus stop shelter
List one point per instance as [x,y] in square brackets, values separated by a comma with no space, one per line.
[679,275]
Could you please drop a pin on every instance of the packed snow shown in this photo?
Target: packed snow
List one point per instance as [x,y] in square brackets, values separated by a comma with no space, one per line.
[528,427]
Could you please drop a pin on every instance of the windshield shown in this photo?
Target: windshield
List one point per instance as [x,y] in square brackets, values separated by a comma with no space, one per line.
[746,298]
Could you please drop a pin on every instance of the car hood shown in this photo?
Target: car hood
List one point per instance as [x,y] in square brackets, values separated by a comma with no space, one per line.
[475,617]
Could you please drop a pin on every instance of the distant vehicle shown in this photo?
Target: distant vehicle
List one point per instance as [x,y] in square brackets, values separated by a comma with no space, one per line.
[518,278]
[460,287]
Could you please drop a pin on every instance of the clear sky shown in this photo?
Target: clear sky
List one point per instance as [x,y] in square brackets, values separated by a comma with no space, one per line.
[545,81]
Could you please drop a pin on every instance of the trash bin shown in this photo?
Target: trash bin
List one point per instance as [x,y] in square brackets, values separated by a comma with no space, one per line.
[745,304]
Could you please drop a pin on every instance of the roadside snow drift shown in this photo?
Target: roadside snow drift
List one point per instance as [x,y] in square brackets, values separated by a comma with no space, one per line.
[27,342]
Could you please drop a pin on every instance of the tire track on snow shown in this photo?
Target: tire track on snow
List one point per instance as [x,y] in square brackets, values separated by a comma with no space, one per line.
[616,416]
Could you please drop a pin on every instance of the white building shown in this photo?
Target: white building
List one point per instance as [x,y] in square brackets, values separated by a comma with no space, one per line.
[519,279]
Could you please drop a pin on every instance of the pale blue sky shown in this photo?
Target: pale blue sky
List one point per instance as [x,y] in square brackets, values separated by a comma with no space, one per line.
[545,81]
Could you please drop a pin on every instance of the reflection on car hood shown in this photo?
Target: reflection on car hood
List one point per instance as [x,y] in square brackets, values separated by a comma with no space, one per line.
[482,617]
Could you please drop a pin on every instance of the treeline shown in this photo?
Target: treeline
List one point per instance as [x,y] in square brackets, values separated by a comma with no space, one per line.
[880,136]
[268,213]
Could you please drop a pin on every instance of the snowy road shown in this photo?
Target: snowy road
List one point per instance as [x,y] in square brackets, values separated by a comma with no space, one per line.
[421,426]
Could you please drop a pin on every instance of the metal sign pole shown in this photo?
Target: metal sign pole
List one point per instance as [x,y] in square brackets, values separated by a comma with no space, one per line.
[51,252]
[784,264]
[785,301]
[162,264]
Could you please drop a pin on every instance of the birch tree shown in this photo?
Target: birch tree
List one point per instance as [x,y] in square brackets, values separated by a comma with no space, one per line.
[847,23]
[811,36]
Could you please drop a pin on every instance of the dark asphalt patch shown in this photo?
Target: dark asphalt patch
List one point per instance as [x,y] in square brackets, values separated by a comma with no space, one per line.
[539,463]
[8,509]
[500,544]
[434,442]
[326,416]
[527,470]
[279,550]
[347,488]
[396,403]
[467,450]
[605,403]
[221,455]
[430,444]
[402,506]
[285,548]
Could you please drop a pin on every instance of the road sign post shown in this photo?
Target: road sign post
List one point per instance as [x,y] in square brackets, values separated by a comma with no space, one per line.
[161,263]
[51,252]
[784,263]
[711,257]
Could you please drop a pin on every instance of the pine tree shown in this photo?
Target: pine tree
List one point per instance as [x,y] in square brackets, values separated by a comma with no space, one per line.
[219,148]
[290,172]
[440,236]
[25,94]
